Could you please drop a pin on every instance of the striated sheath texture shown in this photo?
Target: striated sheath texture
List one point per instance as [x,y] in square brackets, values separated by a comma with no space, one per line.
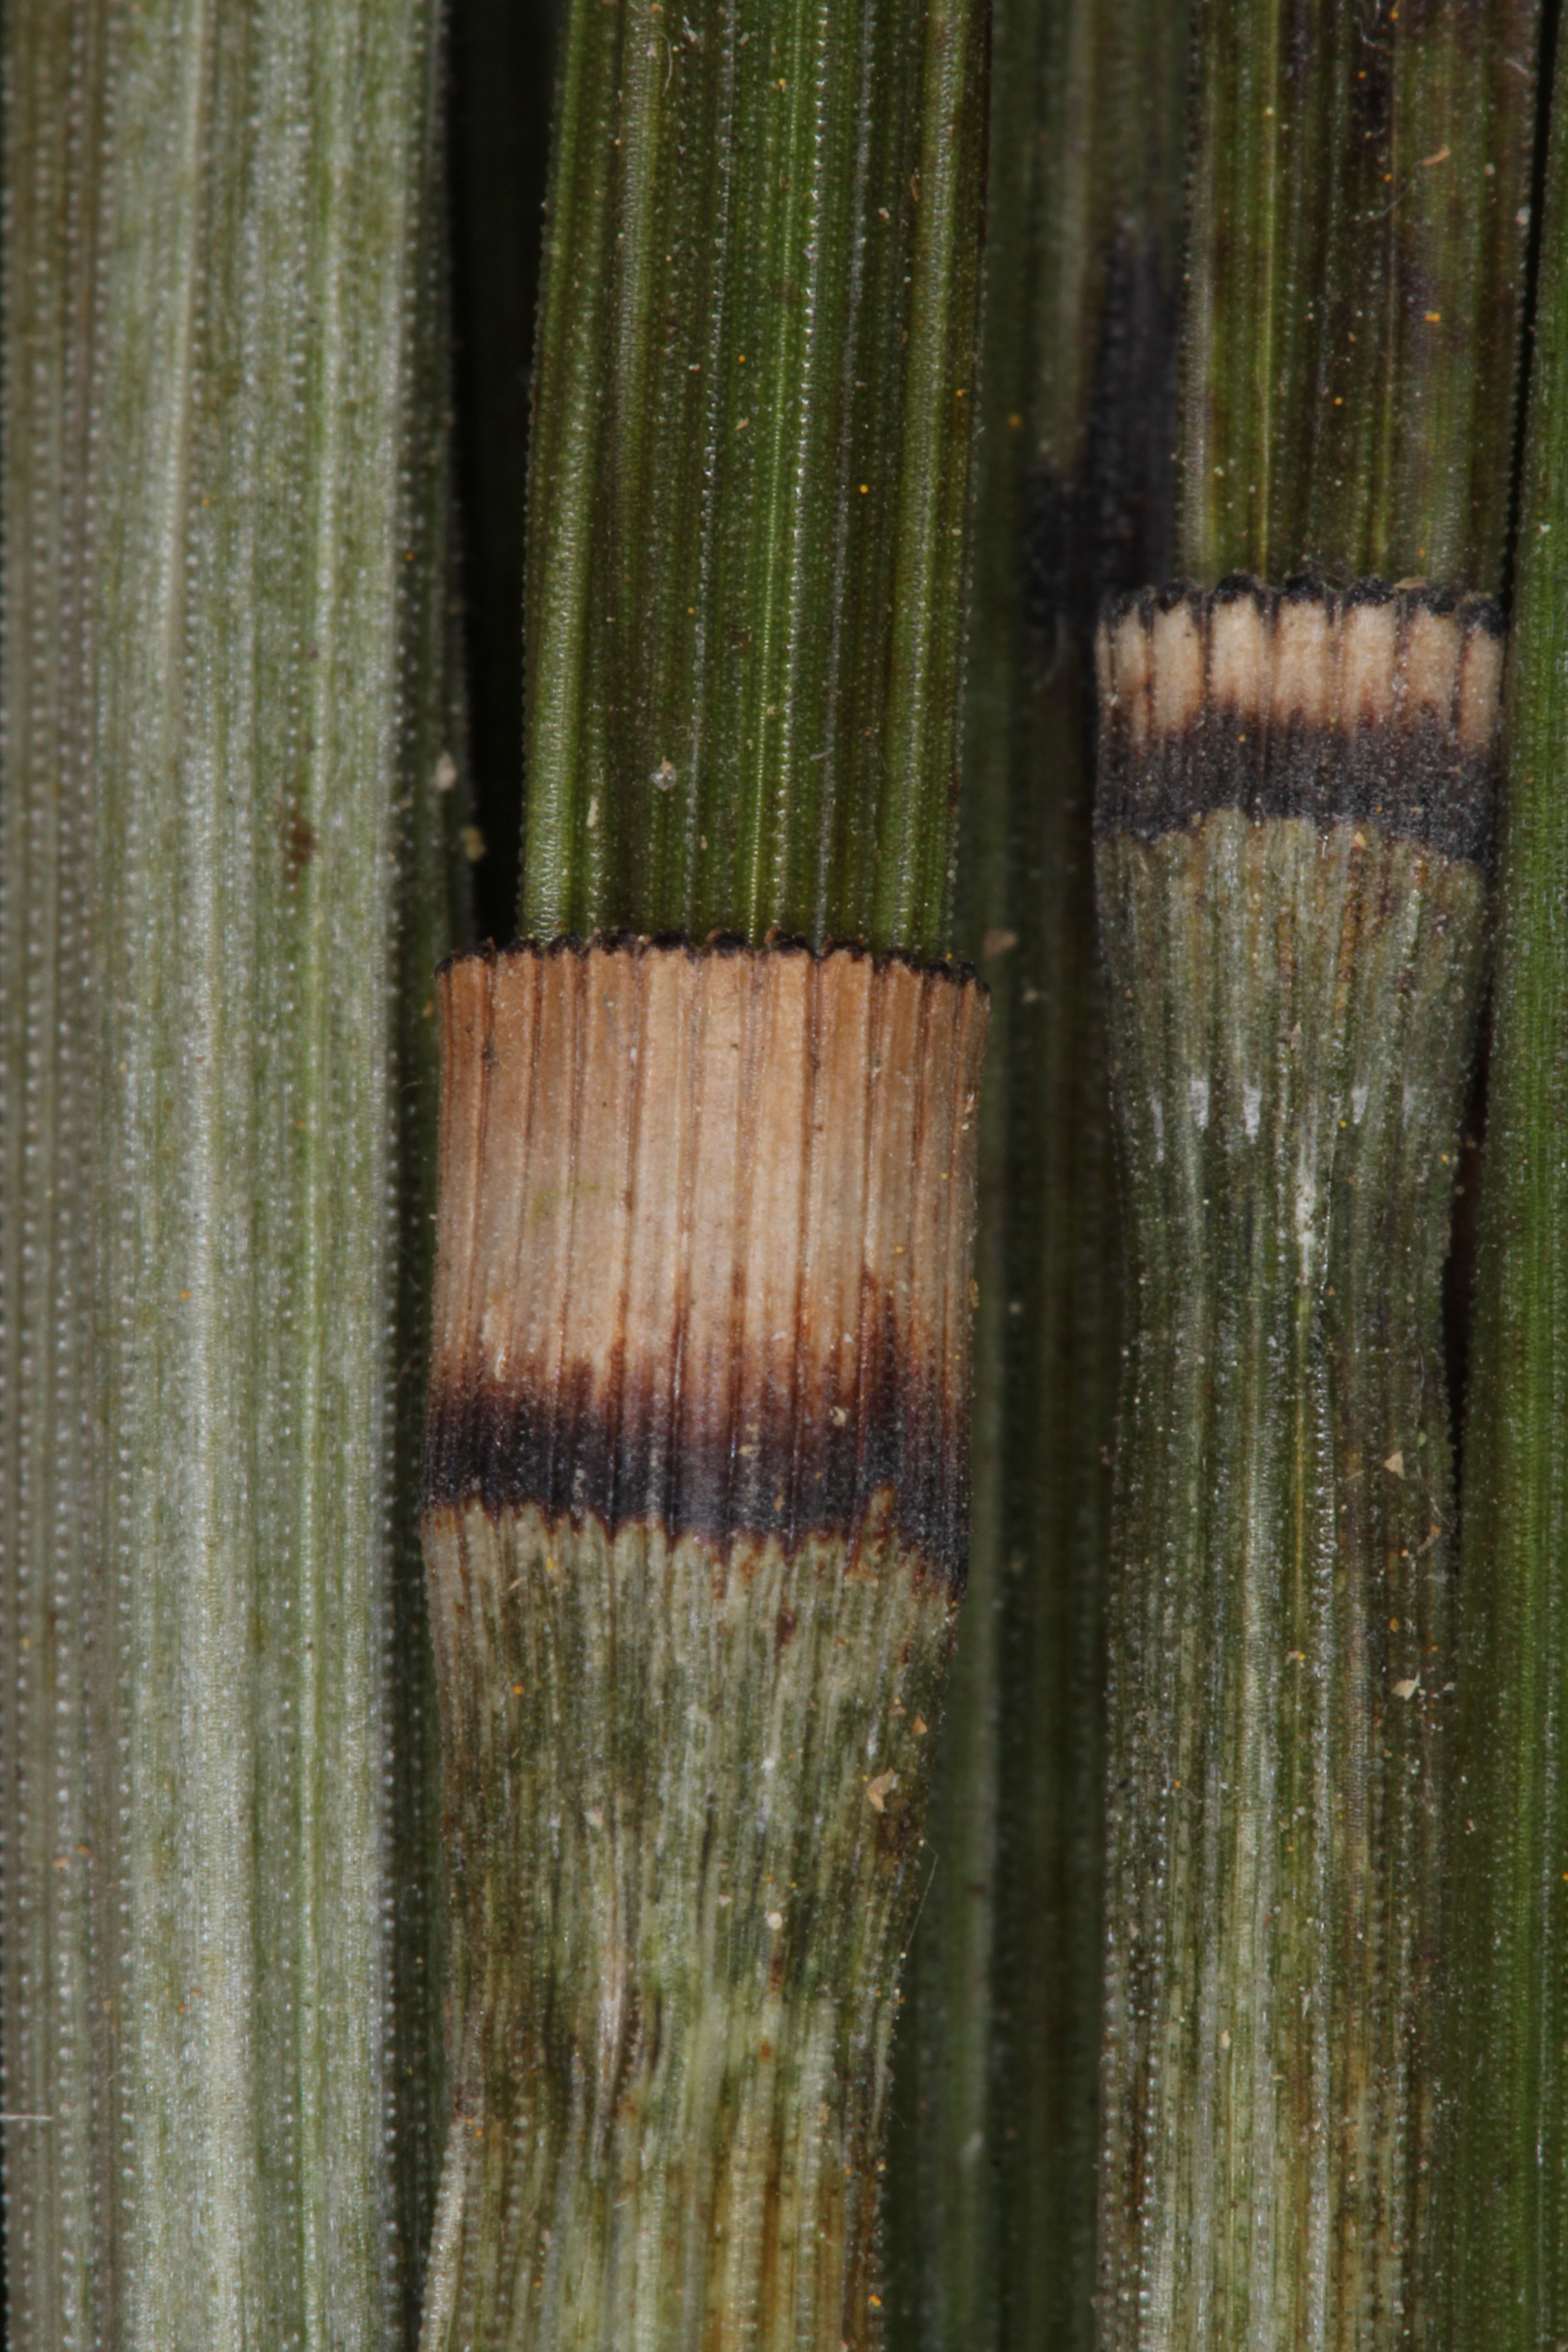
[715,1272]
[695,1515]
[1294,915]
[1367,703]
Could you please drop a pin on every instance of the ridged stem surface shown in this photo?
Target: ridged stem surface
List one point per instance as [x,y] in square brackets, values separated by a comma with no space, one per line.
[749,476]
[223,885]
[991,2160]
[1510,2160]
[1292,1010]
[1351,337]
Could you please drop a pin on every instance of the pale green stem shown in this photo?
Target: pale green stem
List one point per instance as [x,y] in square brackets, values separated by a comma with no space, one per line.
[1292,1011]
[222,858]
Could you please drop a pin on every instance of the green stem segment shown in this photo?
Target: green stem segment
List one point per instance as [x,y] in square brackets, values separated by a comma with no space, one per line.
[1510,2144]
[748,475]
[991,2166]
[1293,922]
[224,878]
[1361,190]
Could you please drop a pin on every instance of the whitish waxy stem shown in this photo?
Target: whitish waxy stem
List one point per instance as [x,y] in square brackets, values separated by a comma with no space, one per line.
[695,1524]
[1294,802]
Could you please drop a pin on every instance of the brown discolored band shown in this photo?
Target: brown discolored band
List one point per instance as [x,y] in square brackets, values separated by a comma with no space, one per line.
[1367,704]
[703,1241]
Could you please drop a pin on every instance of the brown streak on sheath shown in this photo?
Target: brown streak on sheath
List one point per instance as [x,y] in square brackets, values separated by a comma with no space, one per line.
[1366,703]
[703,1241]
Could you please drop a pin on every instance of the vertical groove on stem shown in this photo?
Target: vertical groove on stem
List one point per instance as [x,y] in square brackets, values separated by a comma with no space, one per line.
[501,73]
[991,2197]
[1511,2121]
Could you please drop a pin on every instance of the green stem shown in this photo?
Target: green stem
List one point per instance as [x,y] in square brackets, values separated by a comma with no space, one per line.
[224,856]
[1356,270]
[991,2176]
[1293,1002]
[1510,2267]
[1281,1637]
[749,471]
